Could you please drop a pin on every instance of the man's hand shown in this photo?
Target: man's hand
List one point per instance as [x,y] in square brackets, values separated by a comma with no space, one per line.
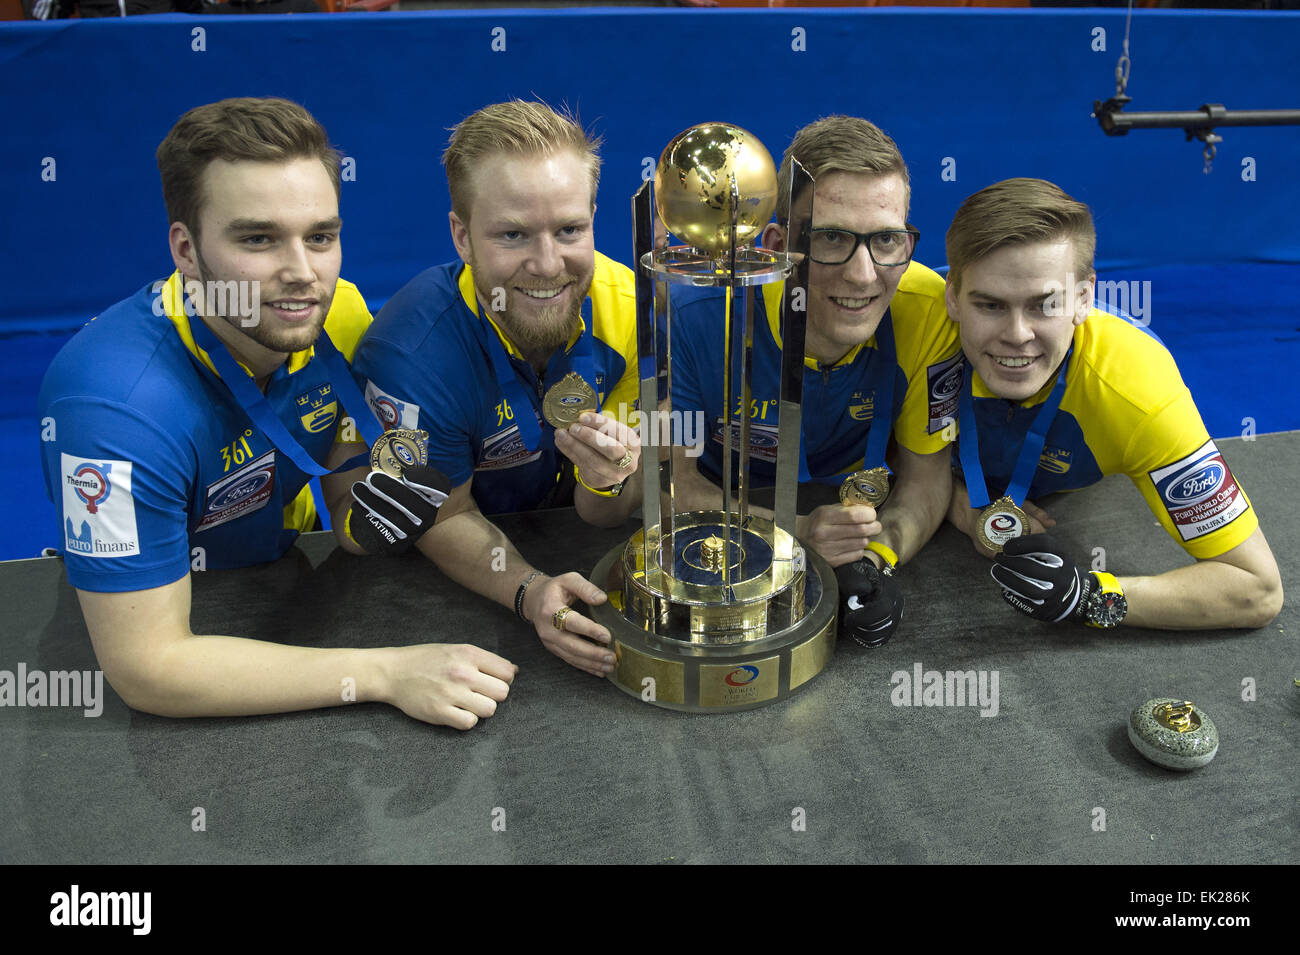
[389,515]
[871,603]
[452,685]
[1037,578]
[544,597]
[840,533]
[1039,520]
[597,446]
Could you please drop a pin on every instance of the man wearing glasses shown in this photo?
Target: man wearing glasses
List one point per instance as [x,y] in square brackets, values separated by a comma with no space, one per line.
[879,352]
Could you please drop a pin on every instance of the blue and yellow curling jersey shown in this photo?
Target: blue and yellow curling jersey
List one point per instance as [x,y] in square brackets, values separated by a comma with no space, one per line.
[1125,411]
[427,363]
[153,466]
[839,401]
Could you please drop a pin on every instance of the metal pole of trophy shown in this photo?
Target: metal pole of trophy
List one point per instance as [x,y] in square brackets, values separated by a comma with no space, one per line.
[719,609]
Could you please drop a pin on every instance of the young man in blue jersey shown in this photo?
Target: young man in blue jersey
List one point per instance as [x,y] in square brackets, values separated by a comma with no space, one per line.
[1059,394]
[184,423]
[474,353]
[880,357]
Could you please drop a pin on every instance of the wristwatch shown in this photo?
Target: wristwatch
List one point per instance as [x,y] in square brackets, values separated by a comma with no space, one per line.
[1103,604]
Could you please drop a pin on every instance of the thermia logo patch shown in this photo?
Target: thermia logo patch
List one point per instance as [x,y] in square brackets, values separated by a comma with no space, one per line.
[505,449]
[248,489]
[943,381]
[392,412]
[98,509]
[1199,492]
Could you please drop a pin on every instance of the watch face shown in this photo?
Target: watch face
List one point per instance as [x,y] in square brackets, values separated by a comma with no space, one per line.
[1107,610]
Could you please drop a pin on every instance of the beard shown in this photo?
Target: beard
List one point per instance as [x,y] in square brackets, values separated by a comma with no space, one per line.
[548,327]
[242,311]
[547,331]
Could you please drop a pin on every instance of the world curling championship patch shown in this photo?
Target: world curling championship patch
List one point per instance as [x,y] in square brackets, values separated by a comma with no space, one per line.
[505,449]
[1199,492]
[763,439]
[248,489]
[944,381]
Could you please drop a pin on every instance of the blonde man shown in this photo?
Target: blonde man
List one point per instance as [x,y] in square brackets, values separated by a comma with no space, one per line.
[192,415]
[1059,394]
[470,350]
[880,357]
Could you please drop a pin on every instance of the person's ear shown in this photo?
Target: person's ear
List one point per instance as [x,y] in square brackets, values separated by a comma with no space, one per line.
[774,237]
[184,249]
[459,236]
[950,298]
[1084,293]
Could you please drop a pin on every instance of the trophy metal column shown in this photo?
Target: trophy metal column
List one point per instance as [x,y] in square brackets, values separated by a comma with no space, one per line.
[720,609]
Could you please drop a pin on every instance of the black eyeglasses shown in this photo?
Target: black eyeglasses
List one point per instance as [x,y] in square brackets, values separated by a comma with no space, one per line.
[888,249]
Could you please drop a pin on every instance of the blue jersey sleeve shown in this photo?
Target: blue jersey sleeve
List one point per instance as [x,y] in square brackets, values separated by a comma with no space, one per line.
[433,399]
[121,488]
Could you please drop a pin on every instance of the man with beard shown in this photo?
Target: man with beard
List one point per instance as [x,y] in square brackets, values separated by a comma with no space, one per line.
[1059,394]
[480,353]
[180,429]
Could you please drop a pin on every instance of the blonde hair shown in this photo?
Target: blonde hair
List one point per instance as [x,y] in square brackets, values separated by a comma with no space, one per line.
[841,144]
[1018,212]
[517,128]
[245,128]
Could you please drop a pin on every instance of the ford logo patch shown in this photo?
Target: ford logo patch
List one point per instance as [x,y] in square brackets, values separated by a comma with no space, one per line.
[1196,484]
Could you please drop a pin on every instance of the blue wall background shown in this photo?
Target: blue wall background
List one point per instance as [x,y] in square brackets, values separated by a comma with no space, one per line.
[1002,92]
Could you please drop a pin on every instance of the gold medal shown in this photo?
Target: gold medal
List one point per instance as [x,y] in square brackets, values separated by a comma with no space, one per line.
[566,400]
[1000,522]
[401,448]
[866,487]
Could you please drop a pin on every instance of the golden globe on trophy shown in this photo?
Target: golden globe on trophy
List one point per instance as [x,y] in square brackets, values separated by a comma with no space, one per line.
[718,610]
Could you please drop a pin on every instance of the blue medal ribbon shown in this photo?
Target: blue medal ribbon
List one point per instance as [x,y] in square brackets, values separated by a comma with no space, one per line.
[1027,463]
[245,391]
[882,421]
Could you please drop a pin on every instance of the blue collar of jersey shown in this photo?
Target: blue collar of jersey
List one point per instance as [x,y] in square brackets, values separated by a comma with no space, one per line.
[1026,462]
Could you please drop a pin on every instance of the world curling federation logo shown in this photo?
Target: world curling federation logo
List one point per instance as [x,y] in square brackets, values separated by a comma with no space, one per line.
[1003,523]
[91,484]
[742,676]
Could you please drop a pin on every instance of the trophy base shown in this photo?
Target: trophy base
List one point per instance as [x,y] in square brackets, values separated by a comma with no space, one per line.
[717,678]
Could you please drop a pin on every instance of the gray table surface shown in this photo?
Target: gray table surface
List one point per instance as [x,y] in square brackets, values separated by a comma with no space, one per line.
[580,772]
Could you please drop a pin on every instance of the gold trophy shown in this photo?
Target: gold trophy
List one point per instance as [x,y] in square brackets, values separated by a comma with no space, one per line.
[718,610]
